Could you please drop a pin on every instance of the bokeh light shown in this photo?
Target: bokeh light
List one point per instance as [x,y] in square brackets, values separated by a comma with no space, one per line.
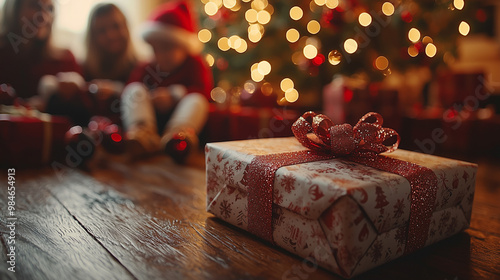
[264,67]
[256,76]
[286,84]
[296,13]
[332,4]
[310,51]
[414,35]
[459,4]
[211,8]
[365,19]
[464,28]
[350,46]
[210,59]
[381,63]
[218,95]
[251,15]
[320,2]
[427,40]
[266,89]
[242,47]
[430,50]
[263,17]
[388,9]
[223,44]
[313,26]
[204,35]
[412,51]
[249,87]
[229,3]
[292,35]
[291,95]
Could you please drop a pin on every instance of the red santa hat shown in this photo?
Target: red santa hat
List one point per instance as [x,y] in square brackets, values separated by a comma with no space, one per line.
[173,21]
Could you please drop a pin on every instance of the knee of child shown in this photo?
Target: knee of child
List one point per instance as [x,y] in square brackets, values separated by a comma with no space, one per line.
[134,92]
[196,99]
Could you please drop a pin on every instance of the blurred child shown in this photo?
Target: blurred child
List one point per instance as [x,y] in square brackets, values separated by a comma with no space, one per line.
[26,55]
[168,95]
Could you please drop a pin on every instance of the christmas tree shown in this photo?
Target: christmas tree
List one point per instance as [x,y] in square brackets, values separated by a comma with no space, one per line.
[290,49]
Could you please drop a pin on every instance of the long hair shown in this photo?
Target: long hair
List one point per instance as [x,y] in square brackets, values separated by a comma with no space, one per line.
[10,15]
[11,27]
[95,59]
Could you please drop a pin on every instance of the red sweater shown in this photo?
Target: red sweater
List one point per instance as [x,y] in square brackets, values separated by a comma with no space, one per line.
[23,73]
[193,74]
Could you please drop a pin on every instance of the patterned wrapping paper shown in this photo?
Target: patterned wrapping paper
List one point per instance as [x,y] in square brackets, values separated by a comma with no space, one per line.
[348,217]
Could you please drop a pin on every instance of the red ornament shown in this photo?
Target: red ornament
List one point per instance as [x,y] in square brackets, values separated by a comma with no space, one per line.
[74,138]
[318,60]
[110,134]
[333,18]
[112,139]
[420,47]
[221,64]
[406,16]
[178,147]
[348,94]
[481,15]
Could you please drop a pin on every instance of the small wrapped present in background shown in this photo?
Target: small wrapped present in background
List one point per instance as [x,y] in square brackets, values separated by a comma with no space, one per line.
[248,123]
[29,138]
[332,197]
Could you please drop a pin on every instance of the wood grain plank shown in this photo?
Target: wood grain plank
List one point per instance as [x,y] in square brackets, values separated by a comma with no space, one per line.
[50,244]
[151,216]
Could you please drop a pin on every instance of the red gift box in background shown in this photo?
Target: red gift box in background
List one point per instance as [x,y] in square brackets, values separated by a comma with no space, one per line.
[241,123]
[30,138]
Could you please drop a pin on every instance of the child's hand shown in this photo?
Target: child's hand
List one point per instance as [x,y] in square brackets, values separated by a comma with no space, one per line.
[67,90]
[70,83]
[36,102]
[162,99]
[104,89]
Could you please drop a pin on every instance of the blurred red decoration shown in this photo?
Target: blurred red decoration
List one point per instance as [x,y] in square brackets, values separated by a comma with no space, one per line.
[178,148]
[406,16]
[420,47]
[481,15]
[77,138]
[318,60]
[112,139]
[348,94]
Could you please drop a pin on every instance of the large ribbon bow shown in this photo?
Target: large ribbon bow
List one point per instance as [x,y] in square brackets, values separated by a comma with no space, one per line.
[318,132]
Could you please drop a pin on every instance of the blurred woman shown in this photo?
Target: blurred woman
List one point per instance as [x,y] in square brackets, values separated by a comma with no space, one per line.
[110,54]
[110,58]
[27,55]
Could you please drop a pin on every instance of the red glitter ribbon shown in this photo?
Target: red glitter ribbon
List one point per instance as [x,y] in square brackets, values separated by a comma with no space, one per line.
[260,190]
[362,144]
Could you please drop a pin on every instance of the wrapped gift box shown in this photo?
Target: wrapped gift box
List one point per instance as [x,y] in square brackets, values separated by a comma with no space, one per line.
[347,216]
[29,138]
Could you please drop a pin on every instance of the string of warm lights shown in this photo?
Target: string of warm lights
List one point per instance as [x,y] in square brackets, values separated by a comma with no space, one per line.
[260,14]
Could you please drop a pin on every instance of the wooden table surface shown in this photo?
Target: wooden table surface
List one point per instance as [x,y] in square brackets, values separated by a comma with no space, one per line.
[147,220]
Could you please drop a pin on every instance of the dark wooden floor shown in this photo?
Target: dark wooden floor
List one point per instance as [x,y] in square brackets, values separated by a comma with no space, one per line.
[147,220]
